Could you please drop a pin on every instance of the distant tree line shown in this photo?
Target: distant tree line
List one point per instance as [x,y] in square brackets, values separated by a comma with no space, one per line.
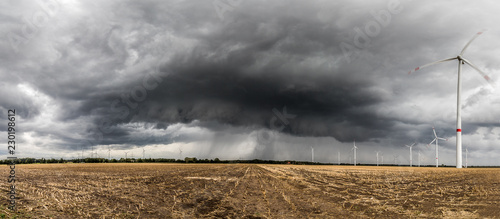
[34,160]
[148,160]
[104,160]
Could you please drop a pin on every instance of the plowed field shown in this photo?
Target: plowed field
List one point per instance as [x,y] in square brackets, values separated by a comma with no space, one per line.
[250,191]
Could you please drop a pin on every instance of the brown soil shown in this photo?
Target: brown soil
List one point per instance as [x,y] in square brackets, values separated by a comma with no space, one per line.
[251,191]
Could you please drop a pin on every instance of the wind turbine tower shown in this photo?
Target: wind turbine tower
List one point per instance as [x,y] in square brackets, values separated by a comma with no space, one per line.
[461,61]
[411,156]
[354,150]
[377,156]
[312,154]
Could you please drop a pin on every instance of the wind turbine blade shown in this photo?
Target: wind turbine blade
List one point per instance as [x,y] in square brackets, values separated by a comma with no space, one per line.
[432,63]
[485,76]
[432,141]
[443,139]
[470,41]
[434,130]
[412,145]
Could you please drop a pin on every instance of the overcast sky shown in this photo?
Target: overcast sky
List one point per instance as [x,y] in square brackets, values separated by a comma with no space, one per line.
[249,79]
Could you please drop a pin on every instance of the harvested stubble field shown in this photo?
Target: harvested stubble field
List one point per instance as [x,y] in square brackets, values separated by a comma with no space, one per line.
[251,191]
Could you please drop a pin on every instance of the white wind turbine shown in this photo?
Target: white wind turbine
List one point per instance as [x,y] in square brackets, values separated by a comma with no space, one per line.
[354,150]
[377,156]
[312,154]
[411,156]
[461,61]
[396,159]
[436,140]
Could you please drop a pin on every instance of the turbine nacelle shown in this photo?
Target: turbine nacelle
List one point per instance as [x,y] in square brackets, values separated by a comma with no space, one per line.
[410,146]
[459,58]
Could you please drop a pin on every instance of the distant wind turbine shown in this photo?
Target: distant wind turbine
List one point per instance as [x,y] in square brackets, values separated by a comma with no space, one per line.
[461,61]
[354,150]
[411,156]
[396,159]
[377,156]
[312,154]
[437,146]
[126,155]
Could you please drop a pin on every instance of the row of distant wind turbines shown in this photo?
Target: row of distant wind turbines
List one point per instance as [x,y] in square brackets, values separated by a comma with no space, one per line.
[93,154]
[461,61]
[435,140]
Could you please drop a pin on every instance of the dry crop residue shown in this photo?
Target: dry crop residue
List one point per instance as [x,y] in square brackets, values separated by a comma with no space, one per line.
[251,191]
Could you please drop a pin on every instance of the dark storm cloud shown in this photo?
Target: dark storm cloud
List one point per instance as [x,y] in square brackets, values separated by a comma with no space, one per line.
[241,86]
[241,68]
[238,71]
[19,101]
